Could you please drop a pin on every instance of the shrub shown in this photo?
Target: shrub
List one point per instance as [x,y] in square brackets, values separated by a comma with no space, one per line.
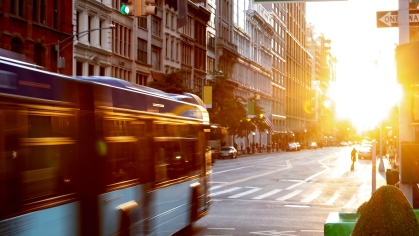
[388,212]
[361,208]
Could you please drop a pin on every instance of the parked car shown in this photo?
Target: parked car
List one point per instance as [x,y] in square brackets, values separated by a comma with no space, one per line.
[228,151]
[291,147]
[215,153]
[365,152]
[298,146]
[312,145]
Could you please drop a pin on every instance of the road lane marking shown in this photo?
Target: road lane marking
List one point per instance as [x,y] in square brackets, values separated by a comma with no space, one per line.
[214,173]
[214,187]
[257,176]
[245,193]
[223,228]
[296,206]
[333,198]
[290,195]
[350,203]
[309,178]
[267,194]
[312,196]
[224,191]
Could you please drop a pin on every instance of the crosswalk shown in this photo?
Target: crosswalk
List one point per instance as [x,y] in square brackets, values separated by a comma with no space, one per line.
[354,197]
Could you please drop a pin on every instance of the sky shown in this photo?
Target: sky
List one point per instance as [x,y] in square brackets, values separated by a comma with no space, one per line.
[366,85]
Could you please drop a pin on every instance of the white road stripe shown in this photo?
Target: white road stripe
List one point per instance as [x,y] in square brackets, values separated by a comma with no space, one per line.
[290,195]
[215,187]
[311,177]
[224,191]
[332,199]
[312,196]
[268,194]
[245,193]
[350,203]
[214,173]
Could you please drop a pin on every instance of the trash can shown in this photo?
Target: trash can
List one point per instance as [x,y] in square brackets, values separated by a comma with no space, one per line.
[392,176]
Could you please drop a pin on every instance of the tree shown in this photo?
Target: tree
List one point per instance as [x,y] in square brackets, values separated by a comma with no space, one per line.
[227,108]
[172,83]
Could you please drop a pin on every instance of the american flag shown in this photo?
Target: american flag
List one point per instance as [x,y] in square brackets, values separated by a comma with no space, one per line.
[269,123]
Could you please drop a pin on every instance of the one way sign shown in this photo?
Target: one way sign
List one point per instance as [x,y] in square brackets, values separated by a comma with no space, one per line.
[390,18]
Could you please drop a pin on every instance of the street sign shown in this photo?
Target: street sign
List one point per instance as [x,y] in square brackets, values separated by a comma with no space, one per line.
[293,1]
[390,18]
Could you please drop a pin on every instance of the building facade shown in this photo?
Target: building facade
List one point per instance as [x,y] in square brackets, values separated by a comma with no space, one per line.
[30,31]
[298,69]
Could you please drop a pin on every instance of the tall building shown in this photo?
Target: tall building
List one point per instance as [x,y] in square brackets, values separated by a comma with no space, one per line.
[93,45]
[298,69]
[278,47]
[140,49]
[253,31]
[31,30]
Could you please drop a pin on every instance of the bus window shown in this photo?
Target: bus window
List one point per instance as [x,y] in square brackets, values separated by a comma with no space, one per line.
[47,157]
[126,146]
[36,156]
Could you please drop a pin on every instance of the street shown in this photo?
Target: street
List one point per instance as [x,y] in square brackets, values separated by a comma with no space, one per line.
[285,193]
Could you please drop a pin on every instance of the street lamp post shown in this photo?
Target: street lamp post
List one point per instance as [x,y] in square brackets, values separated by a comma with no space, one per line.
[61,63]
[204,82]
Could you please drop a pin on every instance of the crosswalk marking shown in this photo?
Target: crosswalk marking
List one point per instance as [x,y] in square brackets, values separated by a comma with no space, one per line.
[350,203]
[267,194]
[224,191]
[215,187]
[245,193]
[312,196]
[332,199]
[290,195]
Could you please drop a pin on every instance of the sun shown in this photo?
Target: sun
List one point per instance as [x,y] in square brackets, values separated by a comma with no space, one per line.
[366,97]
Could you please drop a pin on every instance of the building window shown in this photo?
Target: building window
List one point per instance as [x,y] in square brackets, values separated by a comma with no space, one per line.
[142,22]
[79,68]
[55,15]
[39,57]
[101,25]
[142,50]
[88,28]
[38,11]
[16,7]
[155,58]
[210,42]
[17,46]
[141,79]
[156,26]
[210,64]
[91,70]
[101,71]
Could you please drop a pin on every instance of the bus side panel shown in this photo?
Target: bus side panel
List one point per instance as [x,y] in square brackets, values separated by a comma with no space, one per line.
[60,220]
[171,208]
[122,205]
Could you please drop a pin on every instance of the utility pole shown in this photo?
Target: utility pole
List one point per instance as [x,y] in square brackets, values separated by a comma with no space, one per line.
[61,61]
[406,133]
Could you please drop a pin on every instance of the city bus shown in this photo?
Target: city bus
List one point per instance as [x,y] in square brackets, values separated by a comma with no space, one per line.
[98,156]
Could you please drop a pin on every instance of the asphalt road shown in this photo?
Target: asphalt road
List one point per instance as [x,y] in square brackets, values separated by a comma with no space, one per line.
[285,193]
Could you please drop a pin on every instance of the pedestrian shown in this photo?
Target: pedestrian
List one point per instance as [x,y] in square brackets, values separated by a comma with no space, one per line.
[353,158]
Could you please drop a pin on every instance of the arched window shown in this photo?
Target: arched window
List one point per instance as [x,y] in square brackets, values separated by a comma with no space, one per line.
[17,45]
[39,55]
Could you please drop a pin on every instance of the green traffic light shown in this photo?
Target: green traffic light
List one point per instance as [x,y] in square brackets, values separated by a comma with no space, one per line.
[125,10]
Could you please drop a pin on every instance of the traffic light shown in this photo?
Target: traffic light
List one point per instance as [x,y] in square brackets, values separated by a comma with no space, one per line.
[147,8]
[128,7]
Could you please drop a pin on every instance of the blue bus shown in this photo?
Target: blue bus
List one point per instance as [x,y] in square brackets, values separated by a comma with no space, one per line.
[98,156]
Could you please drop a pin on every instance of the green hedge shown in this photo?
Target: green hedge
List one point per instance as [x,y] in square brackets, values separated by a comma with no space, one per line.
[388,212]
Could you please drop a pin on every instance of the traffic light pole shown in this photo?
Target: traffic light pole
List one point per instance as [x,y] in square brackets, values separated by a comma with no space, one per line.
[406,133]
[58,49]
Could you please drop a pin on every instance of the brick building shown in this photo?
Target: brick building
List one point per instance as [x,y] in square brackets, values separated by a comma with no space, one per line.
[30,29]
